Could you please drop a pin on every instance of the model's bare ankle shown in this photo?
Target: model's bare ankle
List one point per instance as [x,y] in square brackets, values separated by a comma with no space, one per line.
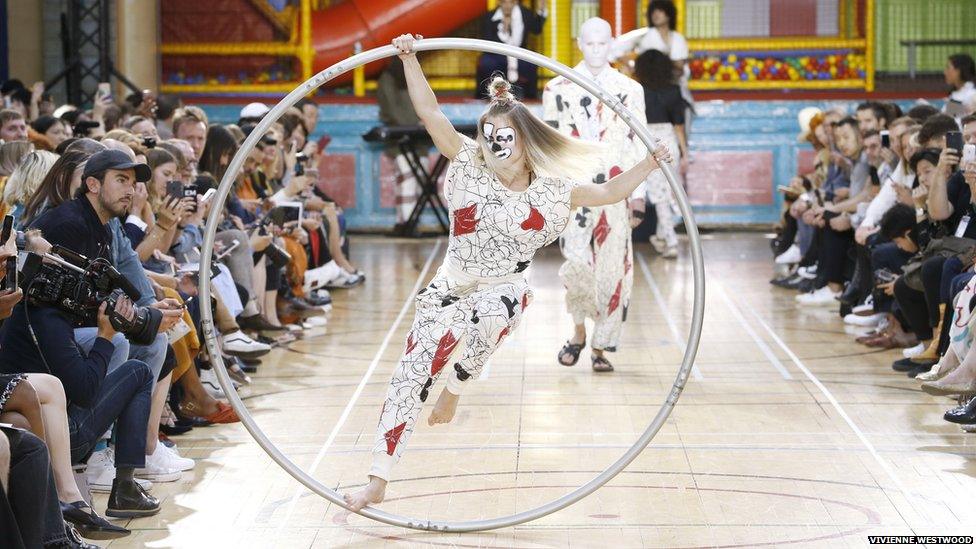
[373,493]
[445,408]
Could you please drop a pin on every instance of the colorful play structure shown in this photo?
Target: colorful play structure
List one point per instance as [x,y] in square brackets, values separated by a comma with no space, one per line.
[223,53]
[736,44]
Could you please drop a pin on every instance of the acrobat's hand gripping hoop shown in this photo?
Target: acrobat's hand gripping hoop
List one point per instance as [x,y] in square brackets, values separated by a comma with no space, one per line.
[300,475]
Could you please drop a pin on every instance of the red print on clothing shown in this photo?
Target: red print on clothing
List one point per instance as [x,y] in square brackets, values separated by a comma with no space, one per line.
[614,299]
[444,349]
[525,300]
[464,220]
[627,264]
[602,229]
[393,437]
[615,171]
[411,344]
[535,221]
[502,335]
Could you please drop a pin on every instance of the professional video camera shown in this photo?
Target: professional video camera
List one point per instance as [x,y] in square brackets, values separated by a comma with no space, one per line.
[77,286]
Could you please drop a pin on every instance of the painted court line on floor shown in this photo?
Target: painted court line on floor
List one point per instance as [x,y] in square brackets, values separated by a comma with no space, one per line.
[766,351]
[672,326]
[843,414]
[407,304]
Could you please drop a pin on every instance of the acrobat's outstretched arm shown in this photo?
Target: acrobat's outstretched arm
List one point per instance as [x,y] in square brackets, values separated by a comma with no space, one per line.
[441,131]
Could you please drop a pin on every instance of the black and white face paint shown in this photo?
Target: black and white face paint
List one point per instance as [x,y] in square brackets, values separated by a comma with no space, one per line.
[501,140]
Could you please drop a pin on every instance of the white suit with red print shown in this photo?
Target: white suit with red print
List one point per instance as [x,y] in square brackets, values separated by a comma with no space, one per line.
[598,268]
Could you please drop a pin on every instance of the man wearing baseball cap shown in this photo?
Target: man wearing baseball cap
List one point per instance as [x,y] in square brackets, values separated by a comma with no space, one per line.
[107,187]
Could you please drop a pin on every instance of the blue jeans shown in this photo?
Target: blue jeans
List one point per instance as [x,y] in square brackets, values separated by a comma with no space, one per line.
[123,399]
[153,354]
[85,338]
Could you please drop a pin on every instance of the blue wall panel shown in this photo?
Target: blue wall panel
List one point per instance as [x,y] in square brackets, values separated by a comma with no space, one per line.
[720,126]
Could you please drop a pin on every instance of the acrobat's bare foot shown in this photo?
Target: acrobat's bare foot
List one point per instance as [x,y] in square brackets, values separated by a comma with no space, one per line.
[445,408]
[373,493]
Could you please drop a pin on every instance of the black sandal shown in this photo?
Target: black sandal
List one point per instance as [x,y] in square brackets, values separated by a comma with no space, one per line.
[571,349]
[601,364]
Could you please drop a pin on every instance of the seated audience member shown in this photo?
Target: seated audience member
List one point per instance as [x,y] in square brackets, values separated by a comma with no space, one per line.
[29,512]
[252,113]
[871,116]
[190,125]
[36,402]
[25,180]
[49,132]
[142,127]
[13,126]
[41,339]
[843,189]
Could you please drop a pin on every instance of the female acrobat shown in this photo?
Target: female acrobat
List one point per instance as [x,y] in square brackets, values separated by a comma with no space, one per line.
[509,192]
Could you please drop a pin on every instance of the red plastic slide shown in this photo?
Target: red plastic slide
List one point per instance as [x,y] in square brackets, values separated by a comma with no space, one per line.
[375,23]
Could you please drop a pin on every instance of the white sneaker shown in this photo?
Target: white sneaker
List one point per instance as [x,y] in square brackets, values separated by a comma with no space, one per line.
[101,472]
[671,252]
[322,296]
[158,468]
[871,321]
[345,279]
[315,322]
[808,273]
[208,378]
[866,308]
[168,458]
[912,352]
[792,255]
[968,428]
[239,343]
[318,277]
[823,296]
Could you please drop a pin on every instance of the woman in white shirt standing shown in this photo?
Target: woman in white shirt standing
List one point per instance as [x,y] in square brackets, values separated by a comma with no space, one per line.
[660,34]
[960,73]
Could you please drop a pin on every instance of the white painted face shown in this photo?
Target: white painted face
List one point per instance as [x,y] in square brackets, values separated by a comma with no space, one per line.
[594,41]
[500,140]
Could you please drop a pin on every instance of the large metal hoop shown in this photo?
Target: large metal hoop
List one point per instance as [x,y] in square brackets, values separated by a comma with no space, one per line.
[638,125]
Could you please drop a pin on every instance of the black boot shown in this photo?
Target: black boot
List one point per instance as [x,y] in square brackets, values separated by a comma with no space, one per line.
[89,524]
[852,294]
[128,500]
[965,414]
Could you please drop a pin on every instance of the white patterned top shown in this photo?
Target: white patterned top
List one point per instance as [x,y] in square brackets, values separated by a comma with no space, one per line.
[495,231]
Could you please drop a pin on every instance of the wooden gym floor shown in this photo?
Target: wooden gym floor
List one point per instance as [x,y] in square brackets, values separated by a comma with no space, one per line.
[787,433]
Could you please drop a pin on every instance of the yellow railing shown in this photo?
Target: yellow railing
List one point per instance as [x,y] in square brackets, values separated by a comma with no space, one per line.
[299,45]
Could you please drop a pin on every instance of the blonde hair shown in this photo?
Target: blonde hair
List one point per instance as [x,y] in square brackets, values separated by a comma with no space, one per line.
[11,153]
[189,115]
[548,153]
[27,177]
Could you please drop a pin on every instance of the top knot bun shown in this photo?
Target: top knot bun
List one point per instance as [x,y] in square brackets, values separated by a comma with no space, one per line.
[500,90]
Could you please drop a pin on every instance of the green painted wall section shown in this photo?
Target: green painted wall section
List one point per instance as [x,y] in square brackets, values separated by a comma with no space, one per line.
[899,20]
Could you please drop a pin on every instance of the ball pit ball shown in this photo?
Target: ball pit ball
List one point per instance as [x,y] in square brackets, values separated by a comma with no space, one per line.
[765,67]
